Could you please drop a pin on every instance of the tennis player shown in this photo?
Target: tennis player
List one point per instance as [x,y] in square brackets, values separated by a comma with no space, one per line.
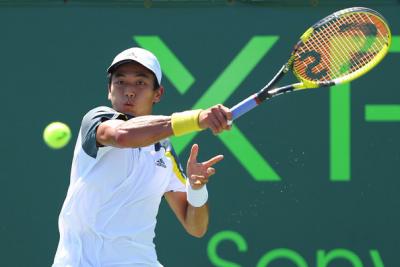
[123,165]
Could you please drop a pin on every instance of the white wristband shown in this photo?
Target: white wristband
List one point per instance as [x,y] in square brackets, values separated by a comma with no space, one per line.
[196,197]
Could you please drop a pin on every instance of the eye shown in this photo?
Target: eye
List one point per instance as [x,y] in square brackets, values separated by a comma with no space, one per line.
[140,82]
[119,82]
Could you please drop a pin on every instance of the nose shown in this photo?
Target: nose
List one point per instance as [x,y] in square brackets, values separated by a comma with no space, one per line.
[130,93]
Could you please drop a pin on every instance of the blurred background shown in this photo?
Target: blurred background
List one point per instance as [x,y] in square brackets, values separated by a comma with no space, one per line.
[309,179]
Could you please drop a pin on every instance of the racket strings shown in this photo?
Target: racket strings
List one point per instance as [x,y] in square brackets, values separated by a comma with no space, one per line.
[381,29]
[337,49]
[371,46]
[318,44]
[325,35]
[314,44]
[341,47]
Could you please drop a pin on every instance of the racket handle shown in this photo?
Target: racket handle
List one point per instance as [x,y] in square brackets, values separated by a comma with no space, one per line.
[243,107]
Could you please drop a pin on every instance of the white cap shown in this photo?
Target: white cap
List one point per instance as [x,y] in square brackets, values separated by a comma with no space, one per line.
[140,55]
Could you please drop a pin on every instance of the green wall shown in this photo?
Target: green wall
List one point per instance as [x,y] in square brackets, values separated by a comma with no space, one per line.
[307,178]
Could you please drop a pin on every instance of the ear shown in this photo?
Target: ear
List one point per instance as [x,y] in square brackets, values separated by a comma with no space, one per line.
[109,93]
[158,93]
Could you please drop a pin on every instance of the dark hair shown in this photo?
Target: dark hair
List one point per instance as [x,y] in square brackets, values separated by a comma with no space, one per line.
[156,85]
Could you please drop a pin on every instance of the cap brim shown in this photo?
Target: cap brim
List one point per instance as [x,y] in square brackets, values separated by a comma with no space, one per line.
[119,63]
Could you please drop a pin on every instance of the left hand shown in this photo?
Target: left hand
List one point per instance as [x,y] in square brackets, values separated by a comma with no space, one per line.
[198,172]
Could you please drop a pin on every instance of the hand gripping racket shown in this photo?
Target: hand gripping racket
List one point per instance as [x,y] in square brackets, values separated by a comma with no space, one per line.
[335,50]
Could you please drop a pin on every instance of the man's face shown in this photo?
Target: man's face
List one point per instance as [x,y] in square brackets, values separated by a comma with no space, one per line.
[132,90]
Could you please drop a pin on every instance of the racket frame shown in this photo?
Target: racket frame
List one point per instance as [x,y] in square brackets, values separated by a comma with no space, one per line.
[268,91]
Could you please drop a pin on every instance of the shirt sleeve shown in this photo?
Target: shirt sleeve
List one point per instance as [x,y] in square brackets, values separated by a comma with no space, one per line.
[90,122]
[178,178]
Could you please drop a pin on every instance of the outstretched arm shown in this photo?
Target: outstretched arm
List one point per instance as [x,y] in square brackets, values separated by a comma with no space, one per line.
[146,130]
[192,211]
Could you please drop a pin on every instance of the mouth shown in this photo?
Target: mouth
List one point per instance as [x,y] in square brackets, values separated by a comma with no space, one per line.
[128,104]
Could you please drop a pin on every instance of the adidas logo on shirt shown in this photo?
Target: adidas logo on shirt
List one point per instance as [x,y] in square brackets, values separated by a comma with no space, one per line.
[161,163]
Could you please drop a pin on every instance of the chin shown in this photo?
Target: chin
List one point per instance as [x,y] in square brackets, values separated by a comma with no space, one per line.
[124,110]
[130,112]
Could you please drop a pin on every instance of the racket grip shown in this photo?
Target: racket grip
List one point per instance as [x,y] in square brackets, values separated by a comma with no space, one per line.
[243,107]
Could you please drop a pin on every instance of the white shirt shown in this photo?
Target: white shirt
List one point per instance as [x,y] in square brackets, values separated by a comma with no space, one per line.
[109,215]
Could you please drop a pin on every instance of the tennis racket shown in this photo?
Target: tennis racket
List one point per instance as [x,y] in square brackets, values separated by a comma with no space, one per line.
[335,50]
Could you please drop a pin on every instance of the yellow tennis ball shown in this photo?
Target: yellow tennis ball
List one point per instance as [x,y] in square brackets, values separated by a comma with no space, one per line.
[56,135]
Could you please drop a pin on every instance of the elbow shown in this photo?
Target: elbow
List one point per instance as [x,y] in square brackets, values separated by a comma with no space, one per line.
[111,133]
[198,232]
[121,139]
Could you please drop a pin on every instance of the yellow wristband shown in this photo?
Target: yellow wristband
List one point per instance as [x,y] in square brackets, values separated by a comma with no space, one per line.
[185,122]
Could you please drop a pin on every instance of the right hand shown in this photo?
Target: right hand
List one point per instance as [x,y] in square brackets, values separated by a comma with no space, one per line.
[215,118]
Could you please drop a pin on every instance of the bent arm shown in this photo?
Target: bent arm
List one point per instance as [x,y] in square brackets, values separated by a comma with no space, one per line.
[136,132]
[146,130]
[194,220]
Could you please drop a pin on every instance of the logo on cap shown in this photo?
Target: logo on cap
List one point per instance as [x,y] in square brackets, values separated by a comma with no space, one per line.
[132,54]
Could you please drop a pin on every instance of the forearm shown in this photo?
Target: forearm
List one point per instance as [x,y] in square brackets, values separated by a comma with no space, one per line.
[197,209]
[143,131]
[196,220]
